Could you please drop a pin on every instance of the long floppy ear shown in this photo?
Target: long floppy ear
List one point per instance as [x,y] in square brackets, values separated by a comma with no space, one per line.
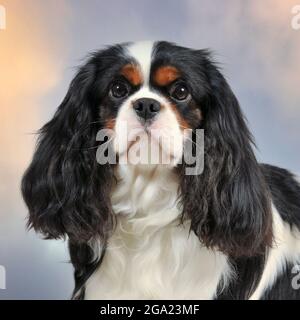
[65,189]
[229,203]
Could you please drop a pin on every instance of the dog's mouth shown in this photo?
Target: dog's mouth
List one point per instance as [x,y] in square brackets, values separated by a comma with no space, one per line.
[149,147]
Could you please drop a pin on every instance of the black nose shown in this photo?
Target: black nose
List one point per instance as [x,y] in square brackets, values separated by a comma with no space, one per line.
[146,108]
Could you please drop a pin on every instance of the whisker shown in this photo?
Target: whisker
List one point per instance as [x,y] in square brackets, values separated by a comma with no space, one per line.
[81,130]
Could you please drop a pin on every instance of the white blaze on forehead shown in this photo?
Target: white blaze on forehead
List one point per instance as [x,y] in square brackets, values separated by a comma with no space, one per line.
[145,92]
[142,53]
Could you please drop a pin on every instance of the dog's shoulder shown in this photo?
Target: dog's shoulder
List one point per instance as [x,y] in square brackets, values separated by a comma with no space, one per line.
[285,192]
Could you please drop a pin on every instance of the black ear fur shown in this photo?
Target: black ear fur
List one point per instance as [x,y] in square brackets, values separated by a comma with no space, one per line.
[66,191]
[229,203]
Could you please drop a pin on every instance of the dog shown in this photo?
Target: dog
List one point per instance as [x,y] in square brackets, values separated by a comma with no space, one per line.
[150,230]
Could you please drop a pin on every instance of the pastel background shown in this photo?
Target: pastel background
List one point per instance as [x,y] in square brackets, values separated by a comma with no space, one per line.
[43,43]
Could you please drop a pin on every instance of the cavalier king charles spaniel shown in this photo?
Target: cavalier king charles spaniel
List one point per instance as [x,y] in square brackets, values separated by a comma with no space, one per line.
[152,230]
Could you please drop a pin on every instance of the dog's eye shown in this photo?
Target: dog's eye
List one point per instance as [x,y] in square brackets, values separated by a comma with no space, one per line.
[119,89]
[179,91]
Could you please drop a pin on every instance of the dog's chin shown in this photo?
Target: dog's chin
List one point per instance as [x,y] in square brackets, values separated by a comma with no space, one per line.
[148,150]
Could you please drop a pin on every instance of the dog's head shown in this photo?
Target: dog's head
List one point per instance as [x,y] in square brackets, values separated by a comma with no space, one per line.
[149,94]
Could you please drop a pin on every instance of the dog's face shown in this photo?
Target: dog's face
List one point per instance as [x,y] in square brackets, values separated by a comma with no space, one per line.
[157,90]
[151,95]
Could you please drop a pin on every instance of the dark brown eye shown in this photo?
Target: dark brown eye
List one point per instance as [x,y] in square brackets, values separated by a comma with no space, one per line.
[119,89]
[179,91]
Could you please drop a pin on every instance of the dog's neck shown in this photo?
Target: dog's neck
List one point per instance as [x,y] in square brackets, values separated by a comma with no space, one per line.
[146,192]
[150,254]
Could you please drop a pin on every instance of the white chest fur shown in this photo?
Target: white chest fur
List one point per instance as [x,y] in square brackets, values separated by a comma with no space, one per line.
[151,255]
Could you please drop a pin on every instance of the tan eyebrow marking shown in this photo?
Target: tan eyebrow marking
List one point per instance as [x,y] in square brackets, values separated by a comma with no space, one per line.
[166,75]
[132,73]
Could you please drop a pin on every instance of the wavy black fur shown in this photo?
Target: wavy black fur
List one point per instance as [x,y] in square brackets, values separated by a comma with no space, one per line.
[66,192]
[229,204]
